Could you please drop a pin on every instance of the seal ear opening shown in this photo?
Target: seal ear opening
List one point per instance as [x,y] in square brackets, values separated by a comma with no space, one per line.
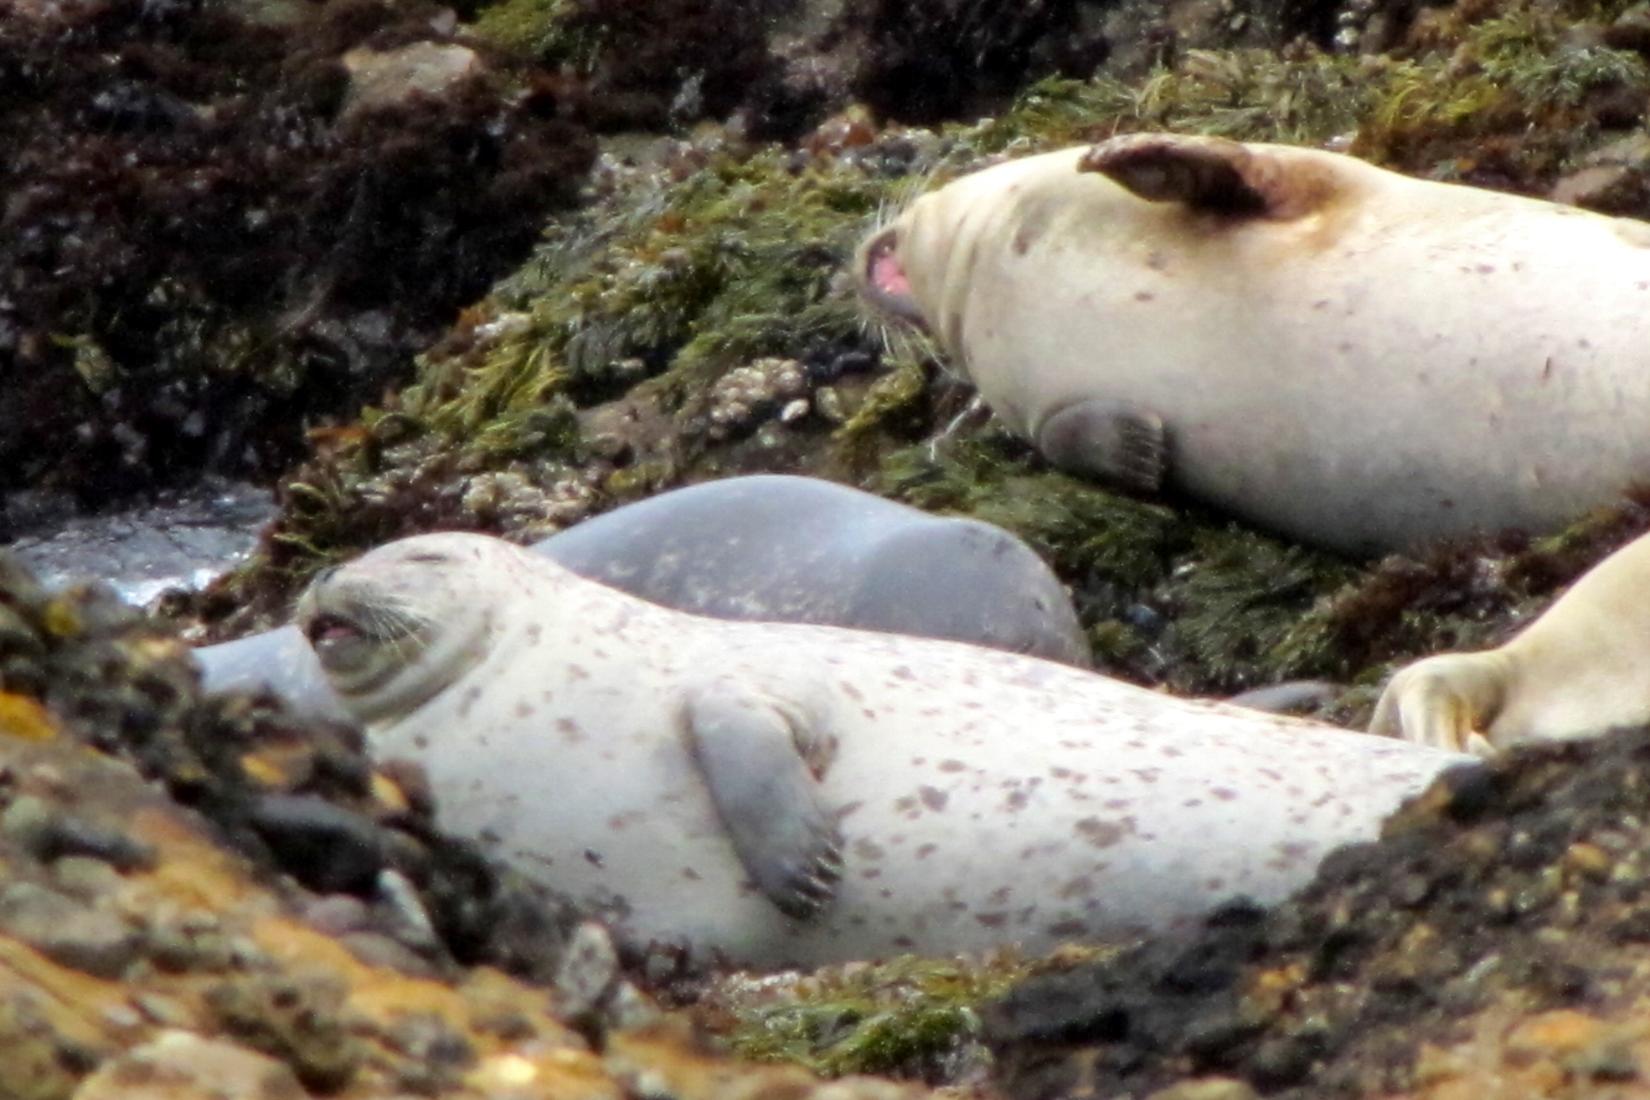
[1208,174]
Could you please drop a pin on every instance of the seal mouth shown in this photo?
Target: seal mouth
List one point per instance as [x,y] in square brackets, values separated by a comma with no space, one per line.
[883,281]
[342,644]
[348,636]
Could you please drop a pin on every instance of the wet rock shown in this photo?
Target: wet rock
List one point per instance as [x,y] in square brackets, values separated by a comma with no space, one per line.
[326,847]
[94,941]
[182,1066]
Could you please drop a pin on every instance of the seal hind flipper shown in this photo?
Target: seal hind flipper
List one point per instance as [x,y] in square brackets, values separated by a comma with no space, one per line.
[761,766]
[1208,174]
[1110,440]
[1445,702]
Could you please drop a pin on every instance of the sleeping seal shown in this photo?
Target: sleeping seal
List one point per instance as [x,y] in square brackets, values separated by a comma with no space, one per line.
[795,549]
[776,793]
[1346,355]
[1577,671]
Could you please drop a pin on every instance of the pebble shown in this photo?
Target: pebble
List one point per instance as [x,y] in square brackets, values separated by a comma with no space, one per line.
[67,932]
[589,968]
[48,834]
[182,1066]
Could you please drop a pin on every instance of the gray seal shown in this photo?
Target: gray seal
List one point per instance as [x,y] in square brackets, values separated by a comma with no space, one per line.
[783,794]
[766,547]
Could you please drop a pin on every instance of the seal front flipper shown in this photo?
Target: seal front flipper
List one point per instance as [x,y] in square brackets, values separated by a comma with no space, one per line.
[1446,702]
[1208,174]
[762,765]
[1108,440]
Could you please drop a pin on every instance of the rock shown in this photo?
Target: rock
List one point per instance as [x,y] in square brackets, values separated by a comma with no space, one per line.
[50,834]
[328,848]
[1614,179]
[90,940]
[299,1018]
[181,1066]
[379,79]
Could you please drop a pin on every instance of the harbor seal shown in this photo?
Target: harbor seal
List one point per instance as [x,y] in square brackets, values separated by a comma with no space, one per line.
[1345,355]
[1577,671]
[778,794]
[768,546]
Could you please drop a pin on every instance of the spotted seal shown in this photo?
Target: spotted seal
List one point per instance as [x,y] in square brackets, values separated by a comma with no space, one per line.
[1343,354]
[778,794]
[1577,671]
[767,546]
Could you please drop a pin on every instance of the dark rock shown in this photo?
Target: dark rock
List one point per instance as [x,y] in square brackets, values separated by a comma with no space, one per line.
[201,253]
[327,848]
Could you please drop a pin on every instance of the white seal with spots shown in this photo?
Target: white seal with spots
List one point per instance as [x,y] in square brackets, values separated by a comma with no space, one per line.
[791,794]
[1350,356]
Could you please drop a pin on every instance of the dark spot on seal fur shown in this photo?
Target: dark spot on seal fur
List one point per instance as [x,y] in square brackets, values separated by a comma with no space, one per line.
[991,920]
[1103,834]
[934,798]
[1079,887]
[953,766]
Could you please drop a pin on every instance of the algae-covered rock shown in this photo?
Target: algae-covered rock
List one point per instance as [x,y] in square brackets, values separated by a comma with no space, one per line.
[1496,927]
[217,229]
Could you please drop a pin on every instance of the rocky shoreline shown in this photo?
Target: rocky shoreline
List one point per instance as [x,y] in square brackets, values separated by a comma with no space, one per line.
[507,266]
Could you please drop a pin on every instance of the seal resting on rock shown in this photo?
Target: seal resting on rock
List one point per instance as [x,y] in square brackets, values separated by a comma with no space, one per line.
[775,793]
[768,546]
[1577,671]
[1352,357]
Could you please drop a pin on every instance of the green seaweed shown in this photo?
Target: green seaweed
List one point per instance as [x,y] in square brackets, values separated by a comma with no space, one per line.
[904,1017]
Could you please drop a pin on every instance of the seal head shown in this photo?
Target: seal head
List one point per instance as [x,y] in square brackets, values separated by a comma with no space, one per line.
[383,653]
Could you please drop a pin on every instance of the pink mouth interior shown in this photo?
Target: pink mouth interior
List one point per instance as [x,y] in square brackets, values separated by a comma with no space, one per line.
[329,628]
[887,275]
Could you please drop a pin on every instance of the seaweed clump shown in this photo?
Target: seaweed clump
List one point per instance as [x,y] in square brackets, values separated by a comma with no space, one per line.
[223,225]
